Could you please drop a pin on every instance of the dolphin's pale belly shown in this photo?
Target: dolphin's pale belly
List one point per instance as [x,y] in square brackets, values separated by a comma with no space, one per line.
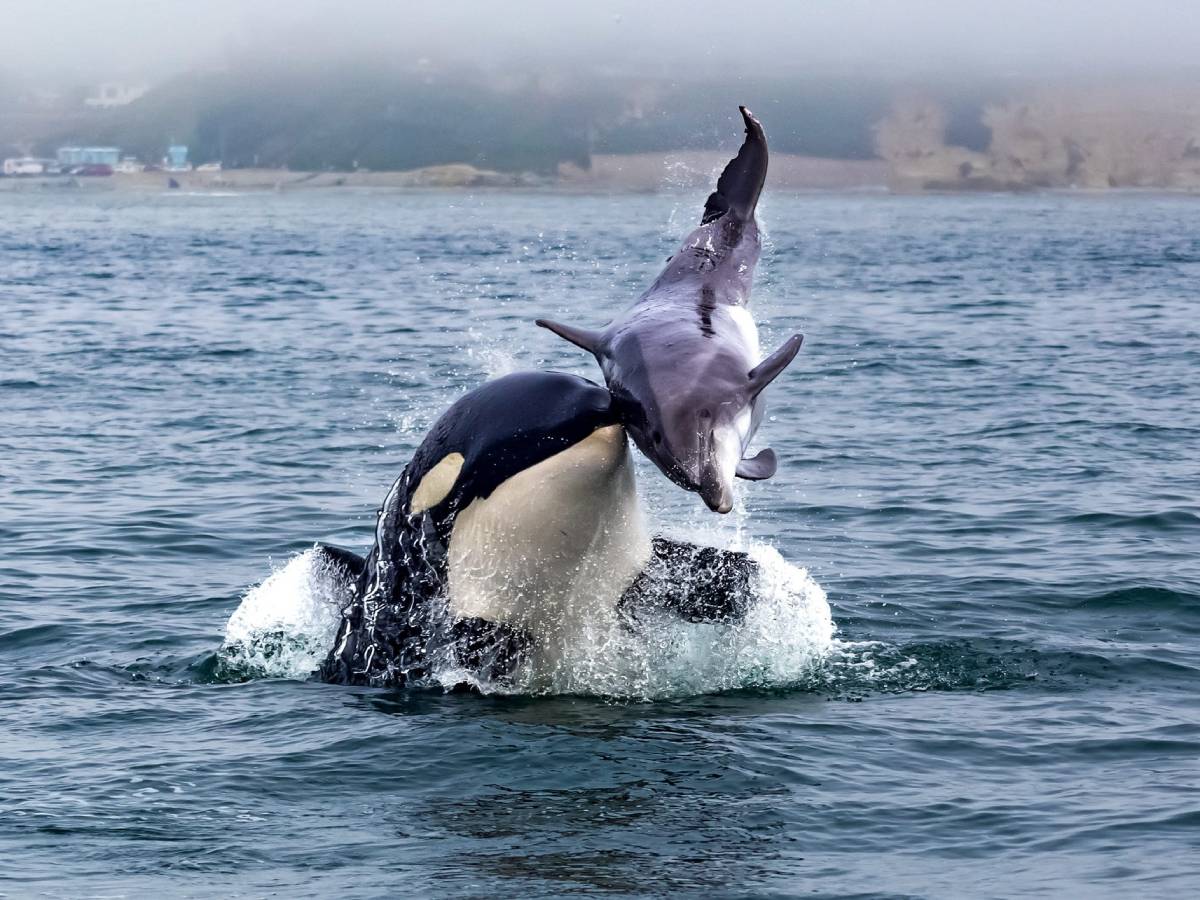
[747,331]
[554,547]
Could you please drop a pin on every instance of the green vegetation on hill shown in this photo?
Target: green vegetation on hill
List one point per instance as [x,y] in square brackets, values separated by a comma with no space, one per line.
[346,118]
[976,134]
[392,118]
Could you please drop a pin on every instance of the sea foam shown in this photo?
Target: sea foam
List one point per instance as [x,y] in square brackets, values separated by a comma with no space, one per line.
[284,626]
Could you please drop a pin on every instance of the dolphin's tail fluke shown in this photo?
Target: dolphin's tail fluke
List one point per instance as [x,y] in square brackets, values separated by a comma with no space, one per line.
[742,181]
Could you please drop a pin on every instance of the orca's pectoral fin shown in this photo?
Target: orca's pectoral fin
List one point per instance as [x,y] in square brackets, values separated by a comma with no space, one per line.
[584,338]
[758,467]
[491,650]
[742,181]
[350,564]
[697,584]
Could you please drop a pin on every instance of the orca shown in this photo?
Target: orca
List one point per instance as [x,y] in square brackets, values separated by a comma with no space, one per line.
[683,363]
[516,524]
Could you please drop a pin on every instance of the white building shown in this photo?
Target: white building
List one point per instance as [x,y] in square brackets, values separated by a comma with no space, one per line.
[88,156]
[112,93]
[24,165]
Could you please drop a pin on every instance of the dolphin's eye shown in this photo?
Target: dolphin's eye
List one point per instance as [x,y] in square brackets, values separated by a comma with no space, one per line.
[656,437]
[705,414]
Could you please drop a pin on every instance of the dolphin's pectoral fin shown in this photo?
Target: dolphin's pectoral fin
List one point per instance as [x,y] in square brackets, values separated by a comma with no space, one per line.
[758,467]
[742,181]
[581,337]
[349,564]
[768,370]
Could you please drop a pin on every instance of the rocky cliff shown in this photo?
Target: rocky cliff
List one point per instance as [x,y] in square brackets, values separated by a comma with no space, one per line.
[1095,138]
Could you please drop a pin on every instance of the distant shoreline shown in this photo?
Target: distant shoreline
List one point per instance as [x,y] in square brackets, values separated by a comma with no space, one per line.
[609,173]
[642,172]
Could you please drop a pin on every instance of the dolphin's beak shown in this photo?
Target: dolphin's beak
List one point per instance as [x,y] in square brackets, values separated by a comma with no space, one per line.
[702,477]
[716,489]
[718,497]
[695,458]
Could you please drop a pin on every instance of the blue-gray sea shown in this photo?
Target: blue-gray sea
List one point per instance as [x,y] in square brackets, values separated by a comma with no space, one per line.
[990,461]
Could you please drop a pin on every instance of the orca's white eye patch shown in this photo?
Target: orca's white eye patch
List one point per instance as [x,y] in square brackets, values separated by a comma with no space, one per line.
[436,484]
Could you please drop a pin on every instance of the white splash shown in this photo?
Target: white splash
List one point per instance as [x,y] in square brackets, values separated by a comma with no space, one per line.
[284,626]
[494,357]
[782,642]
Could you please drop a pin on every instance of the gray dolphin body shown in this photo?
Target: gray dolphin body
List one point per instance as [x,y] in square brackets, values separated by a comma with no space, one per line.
[683,363]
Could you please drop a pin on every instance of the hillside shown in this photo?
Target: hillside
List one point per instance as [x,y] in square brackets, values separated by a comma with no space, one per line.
[1094,137]
[1007,134]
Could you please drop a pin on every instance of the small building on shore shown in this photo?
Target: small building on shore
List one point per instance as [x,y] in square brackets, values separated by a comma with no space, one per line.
[112,93]
[25,165]
[89,156]
[176,159]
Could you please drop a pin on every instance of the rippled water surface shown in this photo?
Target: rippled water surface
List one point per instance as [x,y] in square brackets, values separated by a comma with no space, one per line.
[990,459]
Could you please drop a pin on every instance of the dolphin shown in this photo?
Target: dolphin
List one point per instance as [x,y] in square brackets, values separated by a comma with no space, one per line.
[683,363]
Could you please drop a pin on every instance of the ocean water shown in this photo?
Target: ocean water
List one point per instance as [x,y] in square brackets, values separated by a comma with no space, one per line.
[976,664]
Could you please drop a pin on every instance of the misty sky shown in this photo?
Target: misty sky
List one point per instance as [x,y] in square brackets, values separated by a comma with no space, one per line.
[91,40]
